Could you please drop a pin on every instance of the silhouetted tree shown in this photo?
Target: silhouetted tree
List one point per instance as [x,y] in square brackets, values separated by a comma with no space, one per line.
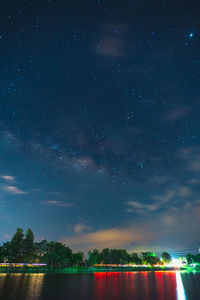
[1,254]
[78,258]
[124,256]
[197,258]
[94,257]
[114,256]
[6,252]
[29,250]
[58,255]
[149,258]
[135,259]
[17,246]
[166,257]
[105,256]
[190,258]
[41,249]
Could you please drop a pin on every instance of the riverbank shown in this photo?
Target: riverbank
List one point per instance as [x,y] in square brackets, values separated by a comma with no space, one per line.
[74,270]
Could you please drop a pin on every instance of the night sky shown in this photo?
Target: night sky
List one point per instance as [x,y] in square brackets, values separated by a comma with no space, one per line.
[100,122]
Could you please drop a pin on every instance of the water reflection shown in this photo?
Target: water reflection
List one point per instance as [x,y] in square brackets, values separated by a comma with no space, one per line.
[21,286]
[180,288]
[139,285]
[171,285]
[34,285]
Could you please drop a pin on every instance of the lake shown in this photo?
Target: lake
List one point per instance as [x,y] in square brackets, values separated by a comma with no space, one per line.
[171,285]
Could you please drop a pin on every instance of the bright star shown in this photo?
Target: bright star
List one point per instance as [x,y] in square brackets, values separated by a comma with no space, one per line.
[191,34]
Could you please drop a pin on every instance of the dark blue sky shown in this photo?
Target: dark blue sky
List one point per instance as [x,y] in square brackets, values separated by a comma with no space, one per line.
[100,126]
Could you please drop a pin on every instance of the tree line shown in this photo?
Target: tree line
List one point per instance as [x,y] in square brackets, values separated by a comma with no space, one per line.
[121,256]
[193,258]
[22,249]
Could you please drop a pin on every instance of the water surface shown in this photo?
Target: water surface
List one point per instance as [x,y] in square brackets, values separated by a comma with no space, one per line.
[101,286]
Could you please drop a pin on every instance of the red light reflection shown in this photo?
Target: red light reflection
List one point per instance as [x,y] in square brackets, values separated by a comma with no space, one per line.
[135,285]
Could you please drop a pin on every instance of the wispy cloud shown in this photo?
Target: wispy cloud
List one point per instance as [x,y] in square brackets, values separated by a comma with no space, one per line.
[162,179]
[113,41]
[194,164]
[194,181]
[6,236]
[190,156]
[58,203]
[171,198]
[141,208]
[80,228]
[8,177]
[14,190]
[171,228]
[165,197]
[184,191]
[177,113]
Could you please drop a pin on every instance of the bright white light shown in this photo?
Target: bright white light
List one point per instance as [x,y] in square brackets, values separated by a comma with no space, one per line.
[177,262]
[179,287]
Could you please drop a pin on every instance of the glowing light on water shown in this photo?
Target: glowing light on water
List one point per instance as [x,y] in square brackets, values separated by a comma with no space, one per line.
[34,283]
[179,287]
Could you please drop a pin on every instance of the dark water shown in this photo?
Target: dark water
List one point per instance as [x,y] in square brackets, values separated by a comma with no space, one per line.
[101,286]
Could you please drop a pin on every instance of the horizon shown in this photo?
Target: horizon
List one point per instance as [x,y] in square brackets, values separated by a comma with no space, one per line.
[175,253]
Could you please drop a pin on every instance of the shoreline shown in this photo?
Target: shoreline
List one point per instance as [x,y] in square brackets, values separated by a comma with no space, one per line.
[87,270]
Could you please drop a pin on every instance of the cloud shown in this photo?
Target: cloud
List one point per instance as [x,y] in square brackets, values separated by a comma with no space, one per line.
[7,236]
[183,219]
[186,153]
[191,157]
[141,208]
[194,181]
[167,197]
[80,227]
[173,228]
[169,220]
[184,191]
[110,46]
[113,41]
[176,113]
[59,203]
[14,190]
[111,238]
[194,164]
[7,177]
[172,198]
[162,179]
